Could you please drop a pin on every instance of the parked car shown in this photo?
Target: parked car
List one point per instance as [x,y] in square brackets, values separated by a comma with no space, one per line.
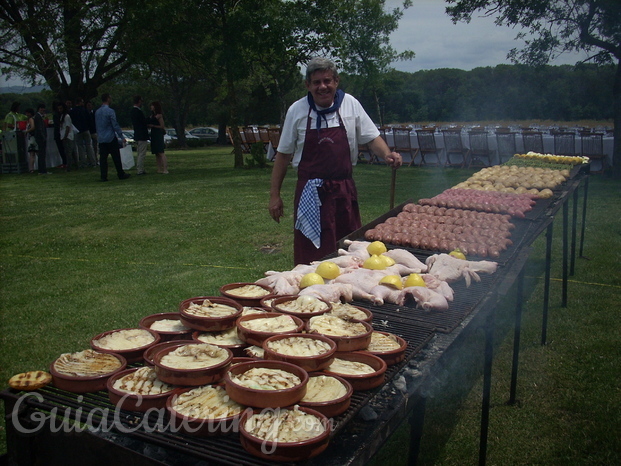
[208,132]
[172,132]
[205,133]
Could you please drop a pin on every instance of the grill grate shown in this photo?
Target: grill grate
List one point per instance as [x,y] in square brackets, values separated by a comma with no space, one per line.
[96,410]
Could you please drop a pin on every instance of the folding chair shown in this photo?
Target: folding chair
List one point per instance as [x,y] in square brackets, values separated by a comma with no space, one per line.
[264,136]
[373,158]
[453,145]
[242,137]
[533,141]
[592,146]
[479,149]
[505,140]
[427,145]
[564,143]
[401,142]
[274,136]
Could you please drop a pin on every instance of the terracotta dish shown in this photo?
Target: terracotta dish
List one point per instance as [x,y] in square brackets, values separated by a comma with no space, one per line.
[220,414]
[285,451]
[278,305]
[229,291]
[332,407]
[206,323]
[265,398]
[257,337]
[391,356]
[133,354]
[86,383]
[365,381]
[309,363]
[346,343]
[166,318]
[191,377]
[134,401]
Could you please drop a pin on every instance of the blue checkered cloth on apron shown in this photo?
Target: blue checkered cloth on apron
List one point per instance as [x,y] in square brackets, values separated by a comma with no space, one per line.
[309,218]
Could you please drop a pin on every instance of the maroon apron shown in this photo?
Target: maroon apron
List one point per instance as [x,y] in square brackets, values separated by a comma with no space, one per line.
[326,156]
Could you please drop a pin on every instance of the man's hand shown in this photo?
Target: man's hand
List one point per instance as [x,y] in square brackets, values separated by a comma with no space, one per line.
[394,160]
[276,208]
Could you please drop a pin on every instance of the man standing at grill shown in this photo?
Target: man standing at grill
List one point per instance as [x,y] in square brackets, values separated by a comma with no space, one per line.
[322,132]
[108,130]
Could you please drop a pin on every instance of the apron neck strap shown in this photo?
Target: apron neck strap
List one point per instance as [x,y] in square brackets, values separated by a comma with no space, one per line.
[338,100]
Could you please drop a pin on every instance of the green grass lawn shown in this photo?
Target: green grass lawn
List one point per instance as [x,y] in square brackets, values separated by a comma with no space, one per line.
[79,257]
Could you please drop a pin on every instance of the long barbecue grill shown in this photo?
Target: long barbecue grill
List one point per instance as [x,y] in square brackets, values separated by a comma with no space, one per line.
[67,427]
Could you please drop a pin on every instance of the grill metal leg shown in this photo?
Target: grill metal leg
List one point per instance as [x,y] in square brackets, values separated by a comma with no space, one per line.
[584,211]
[516,337]
[417,421]
[487,385]
[574,222]
[565,252]
[546,287]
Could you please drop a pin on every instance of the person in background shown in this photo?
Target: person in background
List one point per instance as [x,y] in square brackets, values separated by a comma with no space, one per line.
[79,117]
[141,134]
[67,137]
[57,139]
[321,133]
[41,138]
[31,142]
[110,137]
[92,129]
[156,123]
[11,118]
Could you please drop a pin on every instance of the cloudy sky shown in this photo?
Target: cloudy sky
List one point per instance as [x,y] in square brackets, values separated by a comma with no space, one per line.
[426,29]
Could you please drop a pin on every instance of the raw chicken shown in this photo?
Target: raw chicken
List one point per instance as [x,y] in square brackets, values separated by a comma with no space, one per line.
[357,249]
[400,269]
[435,284]
[282,283]
[332,293]
[385,293]
[304,268]
[425,298]
[401,256]
[451,269]
[362,280]
[347,261]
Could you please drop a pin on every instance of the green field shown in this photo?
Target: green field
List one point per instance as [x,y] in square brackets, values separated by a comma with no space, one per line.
[79,257]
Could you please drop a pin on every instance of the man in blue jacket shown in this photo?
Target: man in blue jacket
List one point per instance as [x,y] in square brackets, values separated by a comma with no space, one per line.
[110,139]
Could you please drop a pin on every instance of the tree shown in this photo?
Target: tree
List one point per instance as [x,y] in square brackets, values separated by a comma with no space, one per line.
[74,46]
[556,27]
[361,35]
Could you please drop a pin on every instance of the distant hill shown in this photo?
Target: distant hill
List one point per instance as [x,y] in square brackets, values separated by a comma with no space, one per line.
[21,89]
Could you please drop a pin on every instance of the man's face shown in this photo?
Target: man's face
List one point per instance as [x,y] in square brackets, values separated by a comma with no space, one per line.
[322,87]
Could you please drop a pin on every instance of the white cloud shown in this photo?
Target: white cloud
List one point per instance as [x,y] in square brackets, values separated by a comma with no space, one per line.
[426,29]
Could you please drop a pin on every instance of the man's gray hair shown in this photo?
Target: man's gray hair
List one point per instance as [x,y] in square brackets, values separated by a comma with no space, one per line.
[320,64]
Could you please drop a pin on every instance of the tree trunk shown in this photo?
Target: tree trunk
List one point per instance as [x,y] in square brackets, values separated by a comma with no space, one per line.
[380,117]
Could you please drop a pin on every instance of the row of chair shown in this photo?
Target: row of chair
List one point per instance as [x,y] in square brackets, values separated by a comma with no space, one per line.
[250,135]
[478,153]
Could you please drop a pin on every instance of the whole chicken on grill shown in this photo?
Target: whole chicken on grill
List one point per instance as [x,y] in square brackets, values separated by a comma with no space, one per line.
[334,292]
[283,283]
[425,298]
[451,269]
[401,256]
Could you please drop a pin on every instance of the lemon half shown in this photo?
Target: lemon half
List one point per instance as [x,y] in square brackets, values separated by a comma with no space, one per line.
[328,270]
[393,281]
[414,279]
[311,279]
